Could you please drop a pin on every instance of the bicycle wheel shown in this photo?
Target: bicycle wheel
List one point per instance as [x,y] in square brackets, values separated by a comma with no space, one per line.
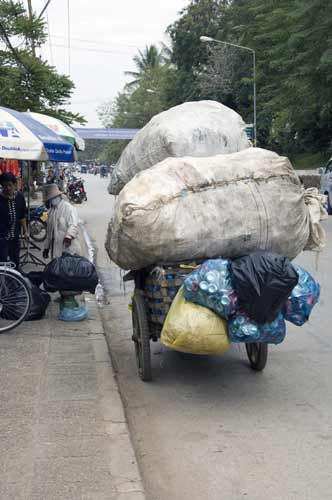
[15,299]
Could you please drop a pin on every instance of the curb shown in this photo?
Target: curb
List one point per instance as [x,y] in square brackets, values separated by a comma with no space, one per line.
[126,477]
[89,250]
[126,481]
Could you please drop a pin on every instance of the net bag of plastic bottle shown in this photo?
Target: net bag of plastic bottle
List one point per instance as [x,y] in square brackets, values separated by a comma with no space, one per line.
[194,329]
[210,286]
[302,299]
[243,329]
[263,282]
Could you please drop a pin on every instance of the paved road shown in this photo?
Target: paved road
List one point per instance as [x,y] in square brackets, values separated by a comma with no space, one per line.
[209,427]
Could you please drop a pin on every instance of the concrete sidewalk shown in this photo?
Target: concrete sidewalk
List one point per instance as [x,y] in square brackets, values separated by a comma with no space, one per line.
[63,432]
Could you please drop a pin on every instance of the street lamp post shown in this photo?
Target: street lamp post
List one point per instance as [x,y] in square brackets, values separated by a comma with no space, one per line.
[207,39]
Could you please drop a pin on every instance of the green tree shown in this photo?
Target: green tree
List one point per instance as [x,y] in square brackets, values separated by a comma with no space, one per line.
[293,44]
[149,59]
[201,17]
[260,26]
[93,150]
[26,81]
[227,77]
[306,87]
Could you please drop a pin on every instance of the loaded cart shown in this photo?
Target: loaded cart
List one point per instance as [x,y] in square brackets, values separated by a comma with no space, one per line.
[155,290]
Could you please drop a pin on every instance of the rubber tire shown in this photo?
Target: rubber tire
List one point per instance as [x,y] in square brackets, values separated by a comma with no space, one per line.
[27,288]
[36,238]
[257,358]
[141,337]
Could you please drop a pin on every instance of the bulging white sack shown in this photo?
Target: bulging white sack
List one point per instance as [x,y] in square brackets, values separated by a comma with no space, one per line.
[199,208]
[203,128]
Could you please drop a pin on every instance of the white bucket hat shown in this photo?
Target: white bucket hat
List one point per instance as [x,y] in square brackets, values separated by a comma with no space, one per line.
[52,191]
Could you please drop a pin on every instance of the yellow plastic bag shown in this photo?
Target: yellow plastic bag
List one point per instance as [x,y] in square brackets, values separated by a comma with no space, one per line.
[194,329]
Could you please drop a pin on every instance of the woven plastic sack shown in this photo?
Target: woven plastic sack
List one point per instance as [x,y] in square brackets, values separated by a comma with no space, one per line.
[203,208]
[73,314]
[198,129]
[242,329]
[210,286]
[302,299]
[194,329]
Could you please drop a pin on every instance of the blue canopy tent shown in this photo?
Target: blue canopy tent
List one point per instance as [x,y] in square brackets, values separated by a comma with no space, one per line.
[23,138]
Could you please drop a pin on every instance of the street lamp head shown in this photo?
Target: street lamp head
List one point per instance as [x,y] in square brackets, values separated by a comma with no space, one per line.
[206,39]
[151,91]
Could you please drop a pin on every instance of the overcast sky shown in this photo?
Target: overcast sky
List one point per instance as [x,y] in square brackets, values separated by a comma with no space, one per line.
[105,35]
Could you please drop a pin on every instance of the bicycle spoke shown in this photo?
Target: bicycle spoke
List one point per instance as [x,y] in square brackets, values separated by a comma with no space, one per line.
[14,307]
[13,294]
[14,298]
[8,284]
[2,285]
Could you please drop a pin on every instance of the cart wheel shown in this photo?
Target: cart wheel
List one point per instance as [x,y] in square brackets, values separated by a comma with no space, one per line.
[141,337]
[257,355]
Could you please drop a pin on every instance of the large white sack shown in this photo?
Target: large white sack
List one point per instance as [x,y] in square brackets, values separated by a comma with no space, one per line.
[198,208]
[203,128]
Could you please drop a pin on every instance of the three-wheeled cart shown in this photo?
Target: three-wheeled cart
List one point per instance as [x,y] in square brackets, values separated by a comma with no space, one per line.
[155,289]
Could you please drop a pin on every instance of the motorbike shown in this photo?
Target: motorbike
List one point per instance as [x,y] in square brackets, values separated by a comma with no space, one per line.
[38,223]
[76,192]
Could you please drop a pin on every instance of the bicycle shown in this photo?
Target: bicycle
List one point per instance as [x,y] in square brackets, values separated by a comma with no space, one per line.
[15,297]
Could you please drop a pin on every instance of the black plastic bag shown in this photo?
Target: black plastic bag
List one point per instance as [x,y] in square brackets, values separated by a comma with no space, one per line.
[263,281]
[35,277]
[40,302]
[70,273]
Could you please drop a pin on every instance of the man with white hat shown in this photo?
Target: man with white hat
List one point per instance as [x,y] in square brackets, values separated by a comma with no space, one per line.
[63,231]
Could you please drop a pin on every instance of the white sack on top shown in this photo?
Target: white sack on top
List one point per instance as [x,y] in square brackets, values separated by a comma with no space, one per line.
[198,129]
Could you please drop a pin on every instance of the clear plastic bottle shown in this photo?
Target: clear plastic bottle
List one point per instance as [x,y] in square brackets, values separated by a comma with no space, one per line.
[203,285]
[212,276]
[99,294]
[212,288]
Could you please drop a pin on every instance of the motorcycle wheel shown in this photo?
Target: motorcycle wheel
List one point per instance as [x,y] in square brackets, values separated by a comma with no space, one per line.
[38,230]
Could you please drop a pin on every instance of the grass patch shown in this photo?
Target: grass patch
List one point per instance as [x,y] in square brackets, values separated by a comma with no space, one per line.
[309,160]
